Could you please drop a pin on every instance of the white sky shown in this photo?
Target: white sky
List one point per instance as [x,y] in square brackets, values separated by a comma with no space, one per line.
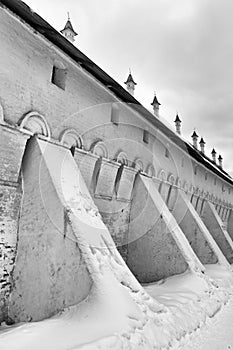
[182,49]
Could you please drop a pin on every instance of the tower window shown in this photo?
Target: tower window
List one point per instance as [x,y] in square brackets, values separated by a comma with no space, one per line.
[146,136]
[59,77]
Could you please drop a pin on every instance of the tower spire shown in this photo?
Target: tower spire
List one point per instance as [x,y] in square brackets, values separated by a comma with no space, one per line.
[177,122]
[68,31]
[155,103]
[130,83]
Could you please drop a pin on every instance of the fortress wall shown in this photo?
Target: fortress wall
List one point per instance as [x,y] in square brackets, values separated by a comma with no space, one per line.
[111,188]
[215,226]
[196,232]
[49,271]
[12,145]
[157,246]
[31,58]
[86,106]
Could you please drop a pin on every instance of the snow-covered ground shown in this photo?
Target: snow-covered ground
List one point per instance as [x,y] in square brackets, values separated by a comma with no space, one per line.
[184,296]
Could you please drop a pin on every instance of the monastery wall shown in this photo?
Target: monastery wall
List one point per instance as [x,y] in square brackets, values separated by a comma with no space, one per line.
[117,151]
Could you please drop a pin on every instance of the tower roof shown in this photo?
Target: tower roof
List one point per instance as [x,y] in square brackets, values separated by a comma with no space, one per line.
[130,79]
[177,120]
[202,141]
[213,151]
[69,26]
[219,157]
[155,101]
[194,134]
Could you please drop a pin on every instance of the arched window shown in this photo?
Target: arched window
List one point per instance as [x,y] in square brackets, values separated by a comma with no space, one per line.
[150,170]
[35,123]
[71,139]
[122,158]
[138,164]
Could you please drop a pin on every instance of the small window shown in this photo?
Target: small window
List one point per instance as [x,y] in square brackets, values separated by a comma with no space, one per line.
[195,170]
[166,153]
[146,136]
[206,176]
[182,162]
[115,114]
[59,77]
[215,181]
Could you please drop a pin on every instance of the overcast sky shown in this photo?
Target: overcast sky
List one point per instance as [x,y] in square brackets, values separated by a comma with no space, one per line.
[182,49]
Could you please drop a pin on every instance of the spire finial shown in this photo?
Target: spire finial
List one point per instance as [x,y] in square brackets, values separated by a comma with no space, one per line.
[68,14]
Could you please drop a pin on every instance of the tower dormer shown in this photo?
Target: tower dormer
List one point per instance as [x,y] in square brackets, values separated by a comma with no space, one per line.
[213,153]
[220,161]
[202,145]
[195,138]
[130,84]
[155,103]
[68,31]
[177,122]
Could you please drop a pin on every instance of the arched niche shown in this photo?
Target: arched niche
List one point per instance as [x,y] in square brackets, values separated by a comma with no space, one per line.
[171,179]
[150,170]
[162,175]
[35,123]
[71,138]
[192,189]
[122,158]
[178,182]
[138,164]
[99,148]
[185,187]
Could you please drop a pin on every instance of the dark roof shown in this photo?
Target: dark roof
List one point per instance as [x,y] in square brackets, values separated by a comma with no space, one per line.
[202,141]
[213,151]
[177,119]
[155,101]
[194,134]
[220,157]
[69,26]
[130,79]
[40,25]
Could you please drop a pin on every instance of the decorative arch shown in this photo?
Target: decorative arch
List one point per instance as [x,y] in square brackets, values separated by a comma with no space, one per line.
[206,195]
[71,138]
[35,123]
[138,164]
[99,148]
[171,179]
[192,189]
[185,186]
[162,175]
[122,158]
[150,170]
[178,182]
